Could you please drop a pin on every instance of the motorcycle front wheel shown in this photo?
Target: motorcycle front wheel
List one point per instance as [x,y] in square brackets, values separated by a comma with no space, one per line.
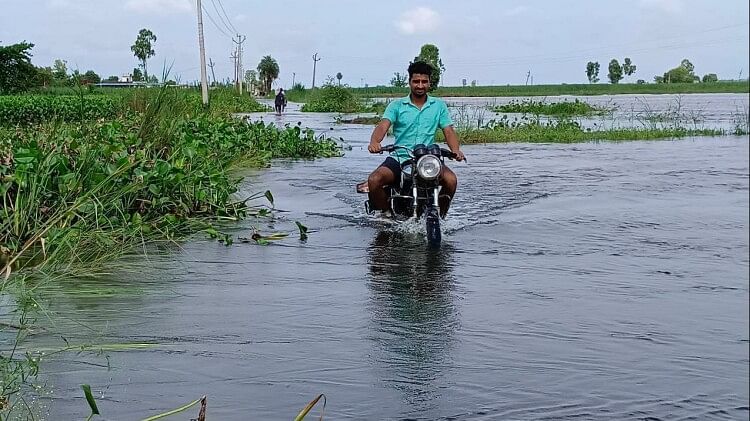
[432,220]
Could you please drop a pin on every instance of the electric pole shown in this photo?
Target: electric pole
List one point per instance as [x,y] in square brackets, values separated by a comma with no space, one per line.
[233,56]
[238,61]
[315,62]
[211,64]
[204,82]
[240,40]
[293,75]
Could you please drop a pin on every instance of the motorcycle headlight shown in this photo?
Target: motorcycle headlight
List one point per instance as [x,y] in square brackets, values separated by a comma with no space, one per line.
[428,167]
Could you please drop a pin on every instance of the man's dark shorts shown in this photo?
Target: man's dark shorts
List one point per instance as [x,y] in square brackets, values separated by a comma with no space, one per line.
[392,164]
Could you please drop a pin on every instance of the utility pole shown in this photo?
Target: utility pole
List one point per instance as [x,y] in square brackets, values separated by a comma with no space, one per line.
[315,62]
[233,56]
[293,75]
[211,64]
[204,82]
[528,74]
[238,62]
[240,40]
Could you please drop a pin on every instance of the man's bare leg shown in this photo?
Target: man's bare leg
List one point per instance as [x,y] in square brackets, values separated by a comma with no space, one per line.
[448,182]
[379,178]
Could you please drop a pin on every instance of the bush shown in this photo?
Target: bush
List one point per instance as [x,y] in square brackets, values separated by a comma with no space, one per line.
[332,99]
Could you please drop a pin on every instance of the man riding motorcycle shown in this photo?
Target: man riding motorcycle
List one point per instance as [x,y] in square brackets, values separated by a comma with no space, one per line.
[414,118]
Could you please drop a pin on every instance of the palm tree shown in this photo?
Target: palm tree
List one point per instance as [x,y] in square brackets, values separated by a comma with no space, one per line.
[268,71]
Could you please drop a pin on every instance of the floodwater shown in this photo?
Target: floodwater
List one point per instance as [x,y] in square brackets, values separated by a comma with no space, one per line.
[586,281]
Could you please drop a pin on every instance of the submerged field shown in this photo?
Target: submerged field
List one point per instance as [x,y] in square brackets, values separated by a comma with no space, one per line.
[618,267]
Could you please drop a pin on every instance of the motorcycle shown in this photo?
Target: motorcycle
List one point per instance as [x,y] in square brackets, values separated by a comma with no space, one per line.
[416,194]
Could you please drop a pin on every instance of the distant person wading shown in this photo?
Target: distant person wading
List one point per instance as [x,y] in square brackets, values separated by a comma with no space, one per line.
[280,101]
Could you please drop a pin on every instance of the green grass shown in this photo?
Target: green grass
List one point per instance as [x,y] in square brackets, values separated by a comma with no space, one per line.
[568,131]
[565,108]
[566,89]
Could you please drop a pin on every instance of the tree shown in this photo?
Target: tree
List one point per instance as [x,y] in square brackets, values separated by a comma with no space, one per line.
[112,79]
[153,79]
[91,77]
[137,75]
[398,80]
[44,76]
[684,73]
[17,74]
[592,71]
[251,79]
[710,77]
[143,48]
[339,76]
[268,71]
[687,65]
[615,71]
[628,68]
[430,54]
[60,71]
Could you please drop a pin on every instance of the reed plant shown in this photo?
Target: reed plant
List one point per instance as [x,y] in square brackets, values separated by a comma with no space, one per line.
[536,130]
[562,109]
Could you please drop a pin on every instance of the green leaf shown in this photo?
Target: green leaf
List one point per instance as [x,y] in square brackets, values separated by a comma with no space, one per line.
[90,399]
[302,231]
[269,196]
[306,410]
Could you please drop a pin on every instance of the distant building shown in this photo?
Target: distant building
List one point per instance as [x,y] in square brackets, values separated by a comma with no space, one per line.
[125,78]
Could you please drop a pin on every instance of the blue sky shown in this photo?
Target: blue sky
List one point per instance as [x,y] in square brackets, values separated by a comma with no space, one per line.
[492,42]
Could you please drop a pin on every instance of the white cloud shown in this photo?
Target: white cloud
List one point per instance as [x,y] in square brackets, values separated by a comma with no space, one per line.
[518,10]
[419,20]
[164,7]
[667,6]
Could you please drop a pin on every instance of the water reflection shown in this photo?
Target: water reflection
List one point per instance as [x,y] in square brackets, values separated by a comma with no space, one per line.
[414,315]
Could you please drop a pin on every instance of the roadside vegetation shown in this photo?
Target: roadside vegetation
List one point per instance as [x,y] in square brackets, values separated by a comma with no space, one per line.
[86,178]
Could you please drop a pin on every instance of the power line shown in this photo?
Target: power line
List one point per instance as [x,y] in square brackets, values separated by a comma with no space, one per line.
[214,22]
[227,16]
[221,19]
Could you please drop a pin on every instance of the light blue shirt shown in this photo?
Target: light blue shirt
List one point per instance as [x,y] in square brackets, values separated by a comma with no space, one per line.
[412,126]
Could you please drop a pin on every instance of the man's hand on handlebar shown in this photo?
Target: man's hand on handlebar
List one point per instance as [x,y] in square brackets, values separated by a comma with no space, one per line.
[374,147]
[459,156]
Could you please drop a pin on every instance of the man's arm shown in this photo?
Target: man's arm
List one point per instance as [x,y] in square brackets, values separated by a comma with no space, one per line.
[451,138]
[378,134]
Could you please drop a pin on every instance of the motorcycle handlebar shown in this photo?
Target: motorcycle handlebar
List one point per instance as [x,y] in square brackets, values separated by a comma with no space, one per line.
[445,153]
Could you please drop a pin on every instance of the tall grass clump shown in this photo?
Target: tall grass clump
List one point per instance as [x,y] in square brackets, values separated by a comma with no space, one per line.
[331,99]
[569,131]
[562,109]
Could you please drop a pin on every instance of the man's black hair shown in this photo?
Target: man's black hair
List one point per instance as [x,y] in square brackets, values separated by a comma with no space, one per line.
[420,67]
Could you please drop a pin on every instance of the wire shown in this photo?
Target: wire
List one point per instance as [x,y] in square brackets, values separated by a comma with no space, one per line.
[227,16]
[221,19]
[214,22]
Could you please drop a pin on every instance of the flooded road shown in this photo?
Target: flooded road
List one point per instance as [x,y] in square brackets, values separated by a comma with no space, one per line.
[589,281]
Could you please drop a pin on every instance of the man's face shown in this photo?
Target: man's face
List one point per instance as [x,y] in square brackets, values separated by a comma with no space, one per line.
[419,84]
